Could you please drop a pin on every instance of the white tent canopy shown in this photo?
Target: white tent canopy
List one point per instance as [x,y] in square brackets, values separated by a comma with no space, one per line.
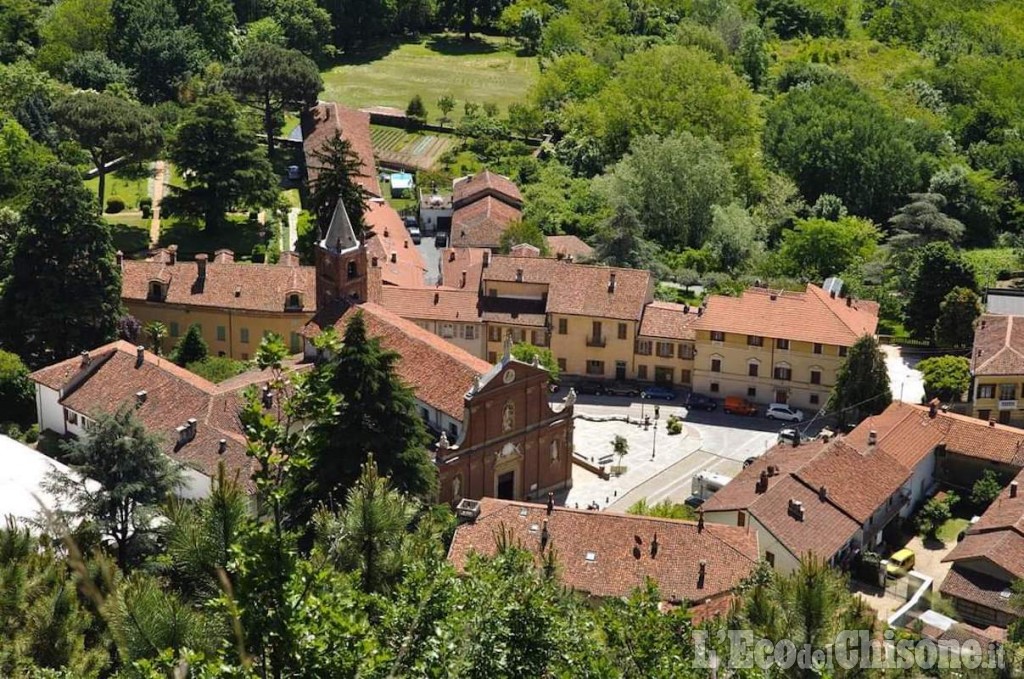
[23,473]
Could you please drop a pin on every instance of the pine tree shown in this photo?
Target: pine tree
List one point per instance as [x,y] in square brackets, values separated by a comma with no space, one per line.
[938,270]
[337,168]
[192,347]
[862,385]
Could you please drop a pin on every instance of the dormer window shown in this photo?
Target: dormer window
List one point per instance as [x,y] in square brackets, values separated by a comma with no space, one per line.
[293,302]
[157,291]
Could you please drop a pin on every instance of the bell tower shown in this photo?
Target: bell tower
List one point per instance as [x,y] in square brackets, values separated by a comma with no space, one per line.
[341,263]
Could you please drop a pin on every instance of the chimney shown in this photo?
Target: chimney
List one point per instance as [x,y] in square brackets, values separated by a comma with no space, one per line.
[849,301]
[702,574]
[611,282]
[654,546]
[823,493]
[406,243]
[192,424]
[463,284]
[832,294]
[700,311]
[182,434]
[1013,489]
[451,255]
[773,296]
[222,446]
[519,275]
[394,257]
[201,264]
[544,535]
[551,503]
[224,256]
[991,421]
[120,260]
[933,408]
[373,262]
[487,258]
[172,254]
[140,355]
[86,359]
[872,437]
[773,470]
[796,509]
[700,520]
[385,232]
[140,397]
[761,486]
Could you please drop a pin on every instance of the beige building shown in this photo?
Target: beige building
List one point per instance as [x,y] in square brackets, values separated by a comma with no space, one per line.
[997,369]
[665,348]
[774,346]
[450,314]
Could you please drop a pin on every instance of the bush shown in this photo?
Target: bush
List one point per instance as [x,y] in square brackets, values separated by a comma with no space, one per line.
[674,425]
[216,368]
[31,434]
[115,204]
[935,512]
[146,205]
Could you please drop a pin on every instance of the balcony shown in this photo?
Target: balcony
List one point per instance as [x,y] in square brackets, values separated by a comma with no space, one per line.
[596,341]
[1008,404]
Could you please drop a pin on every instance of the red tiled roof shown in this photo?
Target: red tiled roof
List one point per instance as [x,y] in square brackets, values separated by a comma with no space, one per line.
[173,395]
[486,183]
[741,493]
[227,285]
[579,289]
[573,246]
[620,563]
[439,372]
[998,345]
[390,237]
[441,304]
[978,588]
[328,119]
[998,535]
[809,316]
[668,320]
[481,223]
[456,260]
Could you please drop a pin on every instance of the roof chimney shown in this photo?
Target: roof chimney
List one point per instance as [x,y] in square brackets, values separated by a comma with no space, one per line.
[519,275]
[872,437]
[1013,489]
[703,572]
[832,294]
[463,284]
[991,421]
[140,397]
[394,257]
[849,301]
[222,446]
[373,262]
[933,408]
[192,424]
[172,254]
[224,256]
[700,520]
[201,263]
[140,355]
[544,535]
[761,486]
[385,232]
[406,242]
[773,470]
[796,509]
[551,502]
[700,311]
[823,493]
[611,282]
[86,359]
[437,298]
[654,546]
[451,255]
[120,260]
[487,258]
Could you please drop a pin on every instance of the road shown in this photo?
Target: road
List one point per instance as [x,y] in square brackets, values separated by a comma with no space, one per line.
[904,379]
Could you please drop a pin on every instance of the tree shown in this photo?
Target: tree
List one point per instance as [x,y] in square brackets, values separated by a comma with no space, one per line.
[523,232]
[922,221]
[818,248]
[829,207]
[958,312]
[446,102]
[271,79]
[470,13]
[305,26]
[530,30]
[17,392]
[109,128]
[62,294]
[734,238]
[221,165]
[526,352]
[620,241]
[753,58]
[416,110]
[620,446]
[121,475]
[937,271]
[862,383]
[986,489]
[337,167]
[524,119]
[192,347]
[935,512]
[157,332]
[378,416]
[946,378]
[129,329]
[671,183]
[78,26]
[95,71]
[666,509]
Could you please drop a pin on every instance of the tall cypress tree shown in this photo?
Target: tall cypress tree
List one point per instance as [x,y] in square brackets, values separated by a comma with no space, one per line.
[862,384]
[62,293]
[378,415]
[192,347]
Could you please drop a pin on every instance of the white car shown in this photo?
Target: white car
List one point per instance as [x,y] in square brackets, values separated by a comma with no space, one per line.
[781,411]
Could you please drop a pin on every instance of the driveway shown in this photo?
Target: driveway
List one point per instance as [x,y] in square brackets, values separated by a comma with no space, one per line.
[432,258]
[904,379]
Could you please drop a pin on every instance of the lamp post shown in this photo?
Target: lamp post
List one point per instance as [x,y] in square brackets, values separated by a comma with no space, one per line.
[654,443]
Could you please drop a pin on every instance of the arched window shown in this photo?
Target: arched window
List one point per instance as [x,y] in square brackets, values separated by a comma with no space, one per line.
[753,367]
[156,290]
[293,301]
[554,450]
[783,371]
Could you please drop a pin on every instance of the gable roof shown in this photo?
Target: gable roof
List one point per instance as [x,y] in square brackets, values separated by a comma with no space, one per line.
[327,119]
[571,246]
[226,285]
[480,224]
[439,372]
[578,289]
[998,535]
[808,316]
[621,545]
[998,345]
[669,321]
[113,377]
[456,260]
[979,588]
[439,304]
[471,188]
[387,237]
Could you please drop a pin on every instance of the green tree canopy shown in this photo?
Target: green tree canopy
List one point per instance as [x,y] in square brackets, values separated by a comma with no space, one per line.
[62,292]
[524,351]
[620,241]
[818,248]
[922,221]
[986,489]
[734,239]
[271,79]
[192,347]
[523,232]
[17,392]
[337,169]
[862,384]
[946,378]
[958,312]
[220,162]
[305,25]
[937,271]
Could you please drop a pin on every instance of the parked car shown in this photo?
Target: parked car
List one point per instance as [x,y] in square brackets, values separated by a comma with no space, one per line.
[700,402]
[739,406]
[900,563]
[590,387]
[620,389]
[791,435]
[694,501]
[410,221]
[441,239]
[781,411]
[664,393]
[414,233]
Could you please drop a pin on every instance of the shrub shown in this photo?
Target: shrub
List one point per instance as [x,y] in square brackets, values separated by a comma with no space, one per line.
[115,204]
[146,205]
[216,368]
[31,434]
[935,512]
[674,425]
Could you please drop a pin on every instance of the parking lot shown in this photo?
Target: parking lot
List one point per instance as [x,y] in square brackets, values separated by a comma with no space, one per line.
[711,441]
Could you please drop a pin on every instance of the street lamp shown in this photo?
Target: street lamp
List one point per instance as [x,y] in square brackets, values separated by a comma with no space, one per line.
[654,443]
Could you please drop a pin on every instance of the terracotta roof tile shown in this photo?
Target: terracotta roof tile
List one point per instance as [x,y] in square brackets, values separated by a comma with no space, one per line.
[486,183]
[439,372]
[573,246]
[328,119]
[226,285]
[616,569]
[741,492]
[480,224]
[668,321]
[998,535]
[985,590]
[998,345]
[456,260]
[441,304]
[579,289]
[809,316]
[391,238]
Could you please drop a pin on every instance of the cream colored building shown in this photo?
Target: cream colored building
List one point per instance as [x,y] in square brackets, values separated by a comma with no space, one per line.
[450,314]
[997,369]
[774,346]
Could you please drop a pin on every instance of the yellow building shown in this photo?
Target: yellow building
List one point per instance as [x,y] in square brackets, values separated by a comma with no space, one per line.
[234,304]
[777,347]
[997,369]
[666,347]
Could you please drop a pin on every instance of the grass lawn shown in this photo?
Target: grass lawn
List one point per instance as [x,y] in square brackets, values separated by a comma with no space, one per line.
[292,197]
[129,190]
[130,232]
[950,529]
[398,203]
[483,70]
[239,235]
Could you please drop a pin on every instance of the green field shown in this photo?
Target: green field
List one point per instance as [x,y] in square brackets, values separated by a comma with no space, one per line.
[988,262]
[483,70]
[130,232]
[395,146]
[130,190]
